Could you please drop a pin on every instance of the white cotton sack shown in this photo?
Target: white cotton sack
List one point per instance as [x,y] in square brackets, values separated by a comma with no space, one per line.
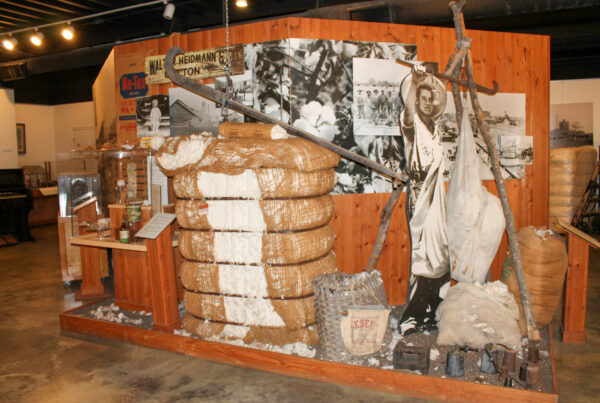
[474,315]
[474,216]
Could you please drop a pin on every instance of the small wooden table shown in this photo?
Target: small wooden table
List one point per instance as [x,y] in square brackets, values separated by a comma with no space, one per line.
[144,275]
[575,295]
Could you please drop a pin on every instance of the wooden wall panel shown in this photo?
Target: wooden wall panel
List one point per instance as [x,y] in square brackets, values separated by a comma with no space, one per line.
[518,62]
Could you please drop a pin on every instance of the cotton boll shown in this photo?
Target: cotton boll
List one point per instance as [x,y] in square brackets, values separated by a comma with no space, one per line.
[156,141]
[328,132]
[327,115]
[304,124]
[311,112]
[349,50]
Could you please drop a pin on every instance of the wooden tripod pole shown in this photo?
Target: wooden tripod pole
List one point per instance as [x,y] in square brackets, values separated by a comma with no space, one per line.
[513,241]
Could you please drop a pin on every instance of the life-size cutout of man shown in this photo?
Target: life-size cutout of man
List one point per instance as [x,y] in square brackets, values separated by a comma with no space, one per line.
[425,100]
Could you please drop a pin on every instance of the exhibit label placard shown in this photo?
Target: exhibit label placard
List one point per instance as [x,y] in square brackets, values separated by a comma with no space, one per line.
[197,64]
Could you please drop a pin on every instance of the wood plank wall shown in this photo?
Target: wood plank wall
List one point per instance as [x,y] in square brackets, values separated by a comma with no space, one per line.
[519,63]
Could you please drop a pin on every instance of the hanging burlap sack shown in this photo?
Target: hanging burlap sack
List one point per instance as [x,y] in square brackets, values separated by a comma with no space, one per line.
[544,259]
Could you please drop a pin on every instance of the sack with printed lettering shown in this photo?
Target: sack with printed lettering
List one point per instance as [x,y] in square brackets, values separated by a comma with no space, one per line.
[364,328]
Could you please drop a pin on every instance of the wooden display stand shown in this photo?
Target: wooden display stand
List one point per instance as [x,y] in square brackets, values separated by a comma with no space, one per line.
[575,291]
[45,209]
[94,261]
[145,278]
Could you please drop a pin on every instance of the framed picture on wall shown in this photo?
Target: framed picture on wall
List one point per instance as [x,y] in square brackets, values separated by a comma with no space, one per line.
[21,141]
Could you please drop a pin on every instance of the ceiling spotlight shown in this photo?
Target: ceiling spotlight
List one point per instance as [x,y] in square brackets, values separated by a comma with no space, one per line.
[169,11]
[9,43]
[68,33]
[36,38]
[241,3]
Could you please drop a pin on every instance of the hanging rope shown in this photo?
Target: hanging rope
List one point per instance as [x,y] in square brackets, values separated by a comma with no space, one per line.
[229,84]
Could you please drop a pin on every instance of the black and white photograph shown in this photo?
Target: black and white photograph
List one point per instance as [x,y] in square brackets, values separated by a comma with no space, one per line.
[516,150]
[322,98]
[152,114]
[505,115]
[571,125]
[268,78]
[191,113]
[377,101]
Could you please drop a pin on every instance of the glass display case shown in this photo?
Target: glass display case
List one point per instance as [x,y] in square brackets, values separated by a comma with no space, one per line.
[75,188]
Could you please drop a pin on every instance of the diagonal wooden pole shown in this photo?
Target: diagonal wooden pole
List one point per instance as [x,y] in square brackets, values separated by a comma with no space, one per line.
[513,241]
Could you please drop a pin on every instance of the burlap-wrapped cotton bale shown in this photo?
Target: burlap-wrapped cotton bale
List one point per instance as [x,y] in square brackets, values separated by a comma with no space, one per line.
[292,313]
[276,336]
[234,156]
[252,130]
[255,215]
[256,247]
[264,183]
[544,259]
[255,280]
[570,172]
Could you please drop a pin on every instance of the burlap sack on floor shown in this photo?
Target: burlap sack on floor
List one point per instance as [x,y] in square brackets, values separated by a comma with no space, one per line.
[278,215]
[570,172]
[293,313]
[233,156]
[276,336]
[545,260]
[277,248]
[286,281]
[273,183]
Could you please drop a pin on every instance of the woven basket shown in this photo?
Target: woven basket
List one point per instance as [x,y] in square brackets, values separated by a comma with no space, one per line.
[334,293]
[273,248]
[290,313]
[278,215]
[276,336]
[272,183]
[287,281]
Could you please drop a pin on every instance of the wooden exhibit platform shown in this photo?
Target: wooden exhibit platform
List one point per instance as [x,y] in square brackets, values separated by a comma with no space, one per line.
[389,381]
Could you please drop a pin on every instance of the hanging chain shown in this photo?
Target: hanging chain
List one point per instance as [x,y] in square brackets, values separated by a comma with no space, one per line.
[229,84]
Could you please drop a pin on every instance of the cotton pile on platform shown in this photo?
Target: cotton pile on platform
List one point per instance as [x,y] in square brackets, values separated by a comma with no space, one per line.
[254,214]
[570,172]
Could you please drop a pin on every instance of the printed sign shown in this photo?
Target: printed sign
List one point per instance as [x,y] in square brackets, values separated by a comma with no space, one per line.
[133,85]
[197,64]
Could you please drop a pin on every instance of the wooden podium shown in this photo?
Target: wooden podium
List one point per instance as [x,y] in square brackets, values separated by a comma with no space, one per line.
[576,284]
[145,276]
[94,261]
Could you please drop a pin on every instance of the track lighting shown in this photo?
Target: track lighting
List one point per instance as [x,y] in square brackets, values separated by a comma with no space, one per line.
[9,43]
[36,38]
[68,33]
[169,11]
[241,3]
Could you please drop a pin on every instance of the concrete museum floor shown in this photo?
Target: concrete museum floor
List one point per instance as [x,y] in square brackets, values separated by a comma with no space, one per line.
[39,364]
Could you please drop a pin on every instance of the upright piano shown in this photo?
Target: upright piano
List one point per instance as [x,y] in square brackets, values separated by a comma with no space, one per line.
[15,203]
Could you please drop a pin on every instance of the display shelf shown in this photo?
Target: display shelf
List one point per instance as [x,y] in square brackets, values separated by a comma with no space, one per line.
[389,381]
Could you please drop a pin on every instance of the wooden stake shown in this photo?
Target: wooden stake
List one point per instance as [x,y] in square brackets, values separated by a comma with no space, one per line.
[513,241]
[384,225]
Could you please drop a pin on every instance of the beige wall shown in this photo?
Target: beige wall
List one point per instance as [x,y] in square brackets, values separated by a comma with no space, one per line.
[54,130]
[8,130]
[74,126]
[39,132]
[577,91]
